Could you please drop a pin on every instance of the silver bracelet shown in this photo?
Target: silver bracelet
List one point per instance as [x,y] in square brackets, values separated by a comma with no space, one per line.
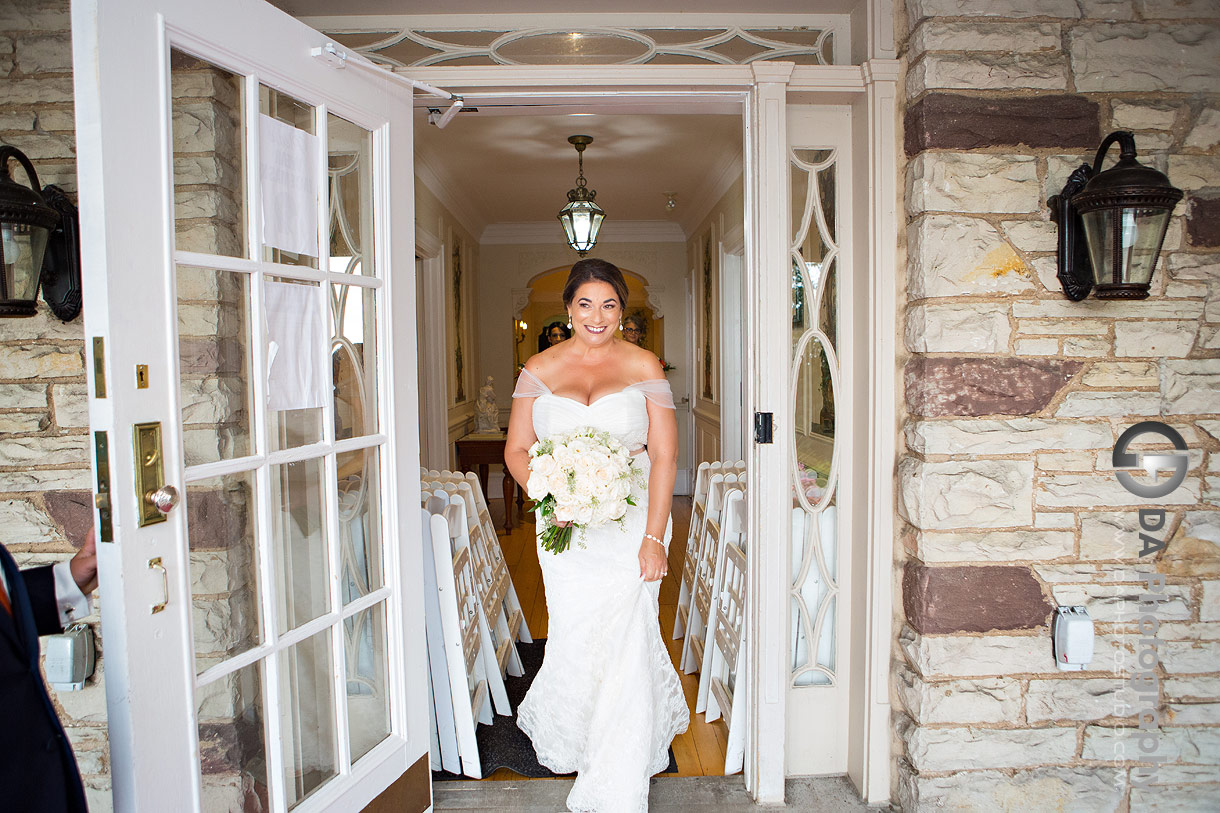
[654,539]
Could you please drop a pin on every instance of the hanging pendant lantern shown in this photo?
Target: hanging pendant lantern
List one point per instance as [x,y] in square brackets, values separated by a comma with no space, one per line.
[582,217]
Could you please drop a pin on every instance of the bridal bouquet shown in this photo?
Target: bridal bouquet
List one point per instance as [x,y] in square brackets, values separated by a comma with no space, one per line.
[583,478]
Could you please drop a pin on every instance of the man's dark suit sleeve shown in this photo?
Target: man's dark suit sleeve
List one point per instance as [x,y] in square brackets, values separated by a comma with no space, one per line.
[40,584]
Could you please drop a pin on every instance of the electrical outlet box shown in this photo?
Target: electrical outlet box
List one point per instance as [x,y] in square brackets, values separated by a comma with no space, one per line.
[1072,633]
[70,658]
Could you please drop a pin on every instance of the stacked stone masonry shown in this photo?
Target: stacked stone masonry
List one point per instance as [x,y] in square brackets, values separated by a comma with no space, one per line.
[45,500]
[1015,397]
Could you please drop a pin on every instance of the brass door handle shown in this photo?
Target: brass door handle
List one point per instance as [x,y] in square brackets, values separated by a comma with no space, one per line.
[155,564]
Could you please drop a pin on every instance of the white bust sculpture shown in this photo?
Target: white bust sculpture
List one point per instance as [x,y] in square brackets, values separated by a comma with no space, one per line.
[486,413]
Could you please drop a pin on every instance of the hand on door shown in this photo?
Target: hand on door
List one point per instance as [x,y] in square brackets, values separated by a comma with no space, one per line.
[84,564]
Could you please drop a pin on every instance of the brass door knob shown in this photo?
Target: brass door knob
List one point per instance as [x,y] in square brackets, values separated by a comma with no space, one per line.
[163,499]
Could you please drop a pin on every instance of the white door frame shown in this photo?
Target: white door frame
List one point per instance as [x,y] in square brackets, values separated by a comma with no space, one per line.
[733,343]
[762,90]
[430,249]
[121,54]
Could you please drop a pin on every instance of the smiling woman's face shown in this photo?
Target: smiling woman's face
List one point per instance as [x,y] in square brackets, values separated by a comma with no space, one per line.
[595,312]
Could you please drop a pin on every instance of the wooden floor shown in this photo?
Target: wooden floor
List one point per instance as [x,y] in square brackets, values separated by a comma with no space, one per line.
[701,750]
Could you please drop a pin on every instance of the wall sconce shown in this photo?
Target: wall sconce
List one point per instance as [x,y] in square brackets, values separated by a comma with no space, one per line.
[520,326]
[582,217]
[40,244]
[1112,224]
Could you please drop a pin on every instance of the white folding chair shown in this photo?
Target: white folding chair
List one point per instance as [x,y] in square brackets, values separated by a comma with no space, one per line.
[690,558]
[725,678]
[699,607]
[729,530]
[461,645]
[481,514]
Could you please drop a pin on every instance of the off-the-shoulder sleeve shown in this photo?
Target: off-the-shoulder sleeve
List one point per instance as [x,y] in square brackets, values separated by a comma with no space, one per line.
[530,386]
[656,390]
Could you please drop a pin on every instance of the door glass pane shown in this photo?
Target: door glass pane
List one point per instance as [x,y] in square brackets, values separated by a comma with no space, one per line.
[209,157]
[368,698]
[814,254]
[307,716]
[298,527]
[360,522]
[297,378]
[214,356]
[232,748]
[221,521]
[354,360]
[289,179]
[349,165]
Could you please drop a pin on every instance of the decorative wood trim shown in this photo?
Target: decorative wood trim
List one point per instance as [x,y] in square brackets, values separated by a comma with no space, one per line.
[767,286]
[881,221]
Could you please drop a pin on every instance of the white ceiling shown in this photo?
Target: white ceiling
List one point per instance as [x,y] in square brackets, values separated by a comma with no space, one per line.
[492,168]
[508,168]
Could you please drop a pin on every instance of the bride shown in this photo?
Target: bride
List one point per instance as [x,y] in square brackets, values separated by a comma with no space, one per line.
[606,702]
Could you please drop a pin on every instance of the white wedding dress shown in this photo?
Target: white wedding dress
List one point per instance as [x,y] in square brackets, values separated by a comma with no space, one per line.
[606,702]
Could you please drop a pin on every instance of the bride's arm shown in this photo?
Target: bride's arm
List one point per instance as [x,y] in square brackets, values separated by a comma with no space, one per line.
[520,439]
[663,455]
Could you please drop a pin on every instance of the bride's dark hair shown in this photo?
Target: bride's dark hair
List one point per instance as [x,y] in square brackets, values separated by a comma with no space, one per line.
[594,270]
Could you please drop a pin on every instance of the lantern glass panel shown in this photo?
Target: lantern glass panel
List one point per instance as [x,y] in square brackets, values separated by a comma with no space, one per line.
[581,223]
[1124,243]
[23,246]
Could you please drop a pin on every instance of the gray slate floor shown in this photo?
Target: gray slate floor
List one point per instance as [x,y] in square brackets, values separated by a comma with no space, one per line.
[724,794]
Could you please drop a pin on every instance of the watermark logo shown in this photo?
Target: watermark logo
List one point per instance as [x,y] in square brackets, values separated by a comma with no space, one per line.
[1175,461]
[1144,681]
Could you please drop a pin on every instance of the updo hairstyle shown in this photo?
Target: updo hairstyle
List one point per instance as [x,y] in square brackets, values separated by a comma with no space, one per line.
[594,270]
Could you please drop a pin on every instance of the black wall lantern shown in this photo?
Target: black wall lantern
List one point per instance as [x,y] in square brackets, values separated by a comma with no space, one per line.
[1112,224]
[40,244]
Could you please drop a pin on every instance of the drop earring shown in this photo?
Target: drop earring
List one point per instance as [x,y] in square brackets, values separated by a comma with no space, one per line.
[569,323]
[620,327]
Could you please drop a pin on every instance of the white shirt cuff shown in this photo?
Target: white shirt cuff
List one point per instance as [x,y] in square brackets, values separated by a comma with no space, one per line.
[73,605]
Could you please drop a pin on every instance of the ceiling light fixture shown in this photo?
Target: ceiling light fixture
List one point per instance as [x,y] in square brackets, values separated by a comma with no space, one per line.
[582,217]
[670,201]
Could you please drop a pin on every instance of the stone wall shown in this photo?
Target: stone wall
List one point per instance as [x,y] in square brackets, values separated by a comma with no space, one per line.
[1015,397]
[45,503]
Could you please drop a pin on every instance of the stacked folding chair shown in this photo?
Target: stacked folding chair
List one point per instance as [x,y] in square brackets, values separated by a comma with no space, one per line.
[720,680]
[492,578]
[702,564]
[457,643]
[704,476]
[499,568]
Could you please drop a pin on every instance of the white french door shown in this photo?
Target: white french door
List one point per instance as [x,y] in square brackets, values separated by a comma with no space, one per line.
[821,273]
[247,214]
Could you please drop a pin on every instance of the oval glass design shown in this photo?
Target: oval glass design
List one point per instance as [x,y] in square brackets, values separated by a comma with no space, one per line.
[573,48]
[814,384]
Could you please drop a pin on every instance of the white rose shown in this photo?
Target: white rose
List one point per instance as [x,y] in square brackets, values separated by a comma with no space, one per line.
[564,512]
[543,464]
[537,487]
[557,483]
[584,514]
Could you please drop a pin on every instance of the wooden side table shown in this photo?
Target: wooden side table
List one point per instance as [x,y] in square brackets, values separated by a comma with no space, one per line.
[482,450]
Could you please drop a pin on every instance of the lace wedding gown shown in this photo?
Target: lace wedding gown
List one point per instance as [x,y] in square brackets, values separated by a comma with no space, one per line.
[606,702]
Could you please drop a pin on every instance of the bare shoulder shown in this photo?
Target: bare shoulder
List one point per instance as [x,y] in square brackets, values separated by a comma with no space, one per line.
[541,364]
[643,364]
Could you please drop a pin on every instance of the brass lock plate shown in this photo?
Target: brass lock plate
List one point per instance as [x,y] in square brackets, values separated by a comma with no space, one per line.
[149,476]
[101,449]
